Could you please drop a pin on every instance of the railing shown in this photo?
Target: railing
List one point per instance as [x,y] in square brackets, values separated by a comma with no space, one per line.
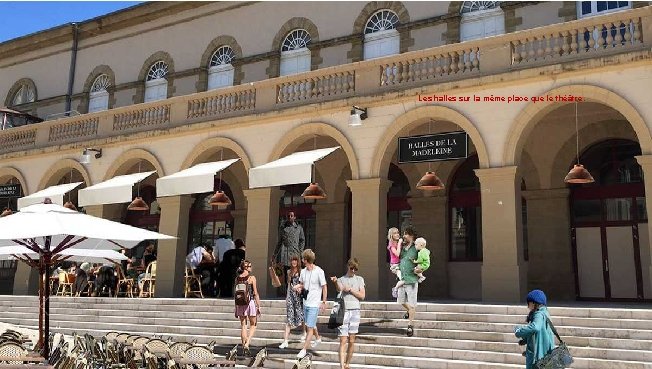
[147,117]
[72,130]
[223,103]
[588,38]
[316,87]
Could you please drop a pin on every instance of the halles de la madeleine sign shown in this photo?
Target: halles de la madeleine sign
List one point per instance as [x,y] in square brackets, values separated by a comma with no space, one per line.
[433,147]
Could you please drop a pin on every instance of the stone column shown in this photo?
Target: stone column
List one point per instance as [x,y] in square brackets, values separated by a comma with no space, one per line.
[329,245]
[262,233]
[504,272]
[369,231]
[114,212]
[550,262]
[645,161]
[239,223]
[171,255]
[429,218]
[25,280]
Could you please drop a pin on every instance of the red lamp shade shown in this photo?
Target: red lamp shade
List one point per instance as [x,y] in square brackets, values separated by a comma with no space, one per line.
[6,212]
[430,182]
[70,205]
[138,204]
[313,191]
[220,199]
[579,175]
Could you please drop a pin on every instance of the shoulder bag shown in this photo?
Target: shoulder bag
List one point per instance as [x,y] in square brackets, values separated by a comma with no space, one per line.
[559,358]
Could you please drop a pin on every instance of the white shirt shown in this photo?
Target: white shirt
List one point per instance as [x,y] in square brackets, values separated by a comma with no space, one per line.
[313,280]
[222,245]
[194,258]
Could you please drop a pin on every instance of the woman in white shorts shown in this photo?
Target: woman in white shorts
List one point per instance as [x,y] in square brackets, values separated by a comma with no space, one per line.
[352,288]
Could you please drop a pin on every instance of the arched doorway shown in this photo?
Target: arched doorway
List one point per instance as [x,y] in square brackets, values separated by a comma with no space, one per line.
[147,219]
[607,220]
[399,212]
[292,201]
[11,191]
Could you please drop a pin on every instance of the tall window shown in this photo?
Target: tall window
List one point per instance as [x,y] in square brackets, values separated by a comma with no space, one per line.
[99,96]
[295,55]
[24,95]
[156,86]
[208,222]
[481,19]
[591,8]
[465,213]
[380,35]
[220,70]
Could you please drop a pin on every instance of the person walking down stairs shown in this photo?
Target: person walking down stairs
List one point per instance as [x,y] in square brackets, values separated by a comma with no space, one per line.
[538,334]
[247,304]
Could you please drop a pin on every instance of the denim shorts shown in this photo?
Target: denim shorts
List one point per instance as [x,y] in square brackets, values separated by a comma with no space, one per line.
[310,315]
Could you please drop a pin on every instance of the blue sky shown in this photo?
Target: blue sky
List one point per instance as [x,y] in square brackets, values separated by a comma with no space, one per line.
[22,18]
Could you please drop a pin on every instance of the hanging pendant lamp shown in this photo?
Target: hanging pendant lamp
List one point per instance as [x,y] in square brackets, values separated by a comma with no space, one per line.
[430,182]
[70,205]
[314,192]
[6,212]
[579,174]
[220,198]
[138,203]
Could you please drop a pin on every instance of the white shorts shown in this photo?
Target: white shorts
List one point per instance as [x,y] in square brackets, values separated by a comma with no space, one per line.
[351,323]
[407,294]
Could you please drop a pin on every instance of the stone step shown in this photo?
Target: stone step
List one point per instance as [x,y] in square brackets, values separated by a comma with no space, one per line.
[278,315]
[370,325]
[642,312]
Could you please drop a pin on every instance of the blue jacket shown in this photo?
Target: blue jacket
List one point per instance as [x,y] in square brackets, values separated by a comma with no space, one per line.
[538,335]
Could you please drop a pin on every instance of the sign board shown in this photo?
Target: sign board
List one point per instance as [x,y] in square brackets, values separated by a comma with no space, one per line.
[10,190]
[433,147]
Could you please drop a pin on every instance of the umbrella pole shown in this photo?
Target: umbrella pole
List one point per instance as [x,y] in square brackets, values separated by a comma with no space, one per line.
[46,332]
[41,311]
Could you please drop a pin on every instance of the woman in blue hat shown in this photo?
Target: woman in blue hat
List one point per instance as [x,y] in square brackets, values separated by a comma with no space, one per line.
[537,334]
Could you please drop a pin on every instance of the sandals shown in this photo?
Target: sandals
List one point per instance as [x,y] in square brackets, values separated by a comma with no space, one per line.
[410,331]
[245,350]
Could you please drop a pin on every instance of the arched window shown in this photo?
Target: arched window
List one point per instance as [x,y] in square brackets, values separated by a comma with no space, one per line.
[481,19]
[24,95]
[98,98]
[380,35]
[591,8]
[156,86]
[295,55]
[220,70]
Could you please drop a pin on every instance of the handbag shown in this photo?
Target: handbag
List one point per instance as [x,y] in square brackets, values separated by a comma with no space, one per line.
[336,318]
[559,358]
[276,281]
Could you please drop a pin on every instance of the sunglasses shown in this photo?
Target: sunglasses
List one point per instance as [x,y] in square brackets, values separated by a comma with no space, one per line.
[353,268]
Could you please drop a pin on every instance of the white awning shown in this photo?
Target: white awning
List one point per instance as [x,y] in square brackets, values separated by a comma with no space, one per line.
[55,193]
[114,191]
[295,168]
[196,179]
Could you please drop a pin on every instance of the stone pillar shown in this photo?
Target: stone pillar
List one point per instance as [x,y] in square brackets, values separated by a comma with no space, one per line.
[369,231]
[25,280]
[550,262]
[504,272]
[171,255]
[330,238]
[114,212]
[645,161]
[262,233]
[429,218]
[239,223]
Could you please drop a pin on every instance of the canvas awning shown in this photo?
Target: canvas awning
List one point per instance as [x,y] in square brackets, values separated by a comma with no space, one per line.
[196,179]
[114,191]
[54,193]
[292,169]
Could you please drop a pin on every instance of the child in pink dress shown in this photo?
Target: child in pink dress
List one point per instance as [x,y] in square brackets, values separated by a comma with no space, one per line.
[394,246]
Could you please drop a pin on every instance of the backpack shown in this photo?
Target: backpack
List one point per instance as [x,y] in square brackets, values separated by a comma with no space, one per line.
[241,292]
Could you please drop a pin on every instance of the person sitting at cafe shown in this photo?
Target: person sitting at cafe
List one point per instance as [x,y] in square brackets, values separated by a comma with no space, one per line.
[81,278]
[149,256]
[202,261]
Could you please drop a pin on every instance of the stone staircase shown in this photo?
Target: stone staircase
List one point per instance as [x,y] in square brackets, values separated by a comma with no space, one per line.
[447,335]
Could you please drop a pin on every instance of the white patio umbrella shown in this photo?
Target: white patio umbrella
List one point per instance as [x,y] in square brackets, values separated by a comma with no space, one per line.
[47,230]
[24,254]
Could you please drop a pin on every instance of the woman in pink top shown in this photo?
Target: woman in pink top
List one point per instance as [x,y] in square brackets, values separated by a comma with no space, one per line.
[394,246]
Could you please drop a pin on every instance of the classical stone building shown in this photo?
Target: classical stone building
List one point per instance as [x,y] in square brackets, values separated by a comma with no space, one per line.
[163,87]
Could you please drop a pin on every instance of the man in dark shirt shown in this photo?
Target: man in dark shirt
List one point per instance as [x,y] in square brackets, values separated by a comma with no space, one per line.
[228,267]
